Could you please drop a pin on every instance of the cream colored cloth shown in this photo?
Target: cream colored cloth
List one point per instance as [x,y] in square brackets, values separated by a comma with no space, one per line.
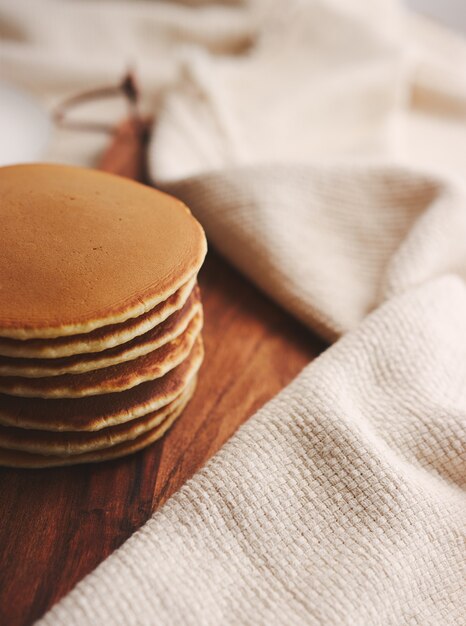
[342,501]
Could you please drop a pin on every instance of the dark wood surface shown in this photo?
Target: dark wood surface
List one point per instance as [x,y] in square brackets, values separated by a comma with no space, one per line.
[57,525]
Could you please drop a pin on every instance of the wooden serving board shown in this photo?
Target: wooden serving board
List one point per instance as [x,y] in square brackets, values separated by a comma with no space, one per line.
[57,525]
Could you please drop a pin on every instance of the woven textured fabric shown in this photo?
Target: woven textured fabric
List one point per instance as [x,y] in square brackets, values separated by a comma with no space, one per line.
[331,243]
[339,503]
[342,501]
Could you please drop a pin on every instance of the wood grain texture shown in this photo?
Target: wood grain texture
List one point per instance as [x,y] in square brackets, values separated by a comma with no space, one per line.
[57,525]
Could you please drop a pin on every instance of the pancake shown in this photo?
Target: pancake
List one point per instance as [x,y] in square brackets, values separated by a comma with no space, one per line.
[173,327]
[16,458]
[110,379]
[96,412]
[67,444]
[81,249]
[101,338]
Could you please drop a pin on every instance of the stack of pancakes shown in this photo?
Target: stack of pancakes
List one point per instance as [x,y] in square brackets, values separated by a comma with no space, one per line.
[100,314]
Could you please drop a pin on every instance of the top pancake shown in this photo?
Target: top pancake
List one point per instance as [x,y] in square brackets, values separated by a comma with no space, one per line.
[81,249]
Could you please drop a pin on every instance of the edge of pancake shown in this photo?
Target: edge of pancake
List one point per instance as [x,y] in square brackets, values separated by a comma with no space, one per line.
[132,307]
[15,458]
[67,385]
[120,416]
[93,341]
[79,364]
[64,444]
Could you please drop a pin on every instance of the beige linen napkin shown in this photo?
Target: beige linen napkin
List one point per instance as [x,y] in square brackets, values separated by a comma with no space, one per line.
[342,501]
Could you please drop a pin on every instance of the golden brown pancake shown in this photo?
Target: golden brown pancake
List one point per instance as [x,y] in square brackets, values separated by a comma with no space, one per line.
[81,249]
[67,444]
[96,412]
[110,379]
[171,328]
[15,458]
[101,338]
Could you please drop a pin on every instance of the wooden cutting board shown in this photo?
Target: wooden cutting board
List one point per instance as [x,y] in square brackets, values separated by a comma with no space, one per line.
[57,525]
